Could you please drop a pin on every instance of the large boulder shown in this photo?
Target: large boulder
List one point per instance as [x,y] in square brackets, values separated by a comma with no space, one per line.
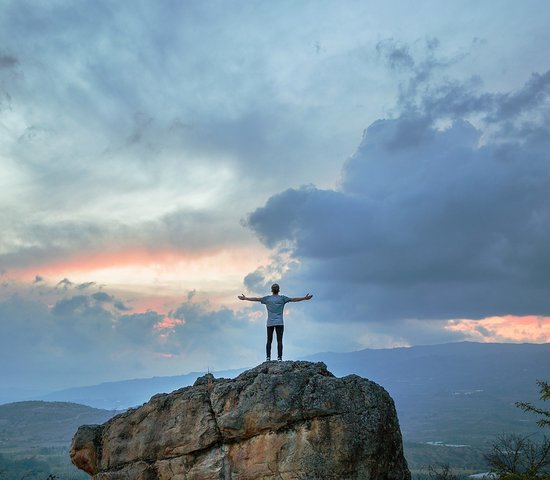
[280,420]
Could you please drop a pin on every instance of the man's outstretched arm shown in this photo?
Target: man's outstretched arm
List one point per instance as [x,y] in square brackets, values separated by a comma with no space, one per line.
[301,299]
[250,299]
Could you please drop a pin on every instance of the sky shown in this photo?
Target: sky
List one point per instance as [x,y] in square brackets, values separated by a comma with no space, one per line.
[159,158]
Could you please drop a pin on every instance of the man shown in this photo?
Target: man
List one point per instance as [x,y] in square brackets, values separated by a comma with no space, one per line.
[275,304]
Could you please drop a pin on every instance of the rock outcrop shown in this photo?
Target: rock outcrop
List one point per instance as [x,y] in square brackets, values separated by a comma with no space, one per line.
[280,420]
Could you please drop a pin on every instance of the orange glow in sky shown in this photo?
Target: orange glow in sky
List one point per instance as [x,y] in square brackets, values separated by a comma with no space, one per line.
[140,267]
[156,280]
[508,328]
[168,323]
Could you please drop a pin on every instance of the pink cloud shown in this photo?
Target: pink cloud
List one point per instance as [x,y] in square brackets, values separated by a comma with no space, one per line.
[92,261]
[508,328]
[168,323]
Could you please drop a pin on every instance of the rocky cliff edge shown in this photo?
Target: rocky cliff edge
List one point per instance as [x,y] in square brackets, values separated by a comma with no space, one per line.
[280,420]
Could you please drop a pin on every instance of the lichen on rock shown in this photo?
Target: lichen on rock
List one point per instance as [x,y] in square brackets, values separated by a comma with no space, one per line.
[280,420]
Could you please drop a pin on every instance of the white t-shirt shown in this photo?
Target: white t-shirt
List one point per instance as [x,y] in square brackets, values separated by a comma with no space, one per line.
[275,305]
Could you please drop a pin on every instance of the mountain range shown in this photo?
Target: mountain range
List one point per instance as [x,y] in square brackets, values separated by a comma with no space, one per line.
[433,387]
[452,400]
[456,393]
[121,395]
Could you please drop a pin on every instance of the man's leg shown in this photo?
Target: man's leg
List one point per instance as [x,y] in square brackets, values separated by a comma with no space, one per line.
[268,344]
[280,330]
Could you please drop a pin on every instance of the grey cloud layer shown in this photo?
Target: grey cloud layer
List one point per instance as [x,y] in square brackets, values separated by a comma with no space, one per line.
[179,231]
[119,121]
[427,223]
[82,336]
[197,80]
[72,338]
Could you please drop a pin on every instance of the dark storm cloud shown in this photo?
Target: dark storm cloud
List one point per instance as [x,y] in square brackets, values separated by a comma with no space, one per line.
[427,223]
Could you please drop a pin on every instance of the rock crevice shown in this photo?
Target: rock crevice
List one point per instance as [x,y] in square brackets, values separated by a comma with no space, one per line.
[284,420]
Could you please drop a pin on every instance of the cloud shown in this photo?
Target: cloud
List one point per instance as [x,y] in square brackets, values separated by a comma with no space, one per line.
[160,163]
[530,96]
[504,329]
[397,56]
[138,328]
[65,284]
[426,96]
[180,231]
[265,275]
[131,133]
[103,297]
[121,306]
[428,222]
[79,338]
[75,305]
[84,339]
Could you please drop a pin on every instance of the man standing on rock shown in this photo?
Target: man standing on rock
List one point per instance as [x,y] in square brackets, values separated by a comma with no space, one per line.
[275,304]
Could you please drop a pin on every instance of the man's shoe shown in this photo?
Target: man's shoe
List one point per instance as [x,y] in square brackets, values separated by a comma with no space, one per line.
[279,359]
[268,359]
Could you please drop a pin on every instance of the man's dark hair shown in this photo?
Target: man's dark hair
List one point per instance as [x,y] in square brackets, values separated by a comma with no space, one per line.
[275,288]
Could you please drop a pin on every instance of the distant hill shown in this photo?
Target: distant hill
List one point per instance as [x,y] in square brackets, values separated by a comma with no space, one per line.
[447,396]
[28,425]
[456,393]
[35,438]
[129,393]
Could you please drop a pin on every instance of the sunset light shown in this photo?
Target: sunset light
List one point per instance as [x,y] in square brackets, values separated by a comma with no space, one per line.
[534,329]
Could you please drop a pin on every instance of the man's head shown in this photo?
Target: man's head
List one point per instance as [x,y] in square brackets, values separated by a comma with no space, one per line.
[275,289]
